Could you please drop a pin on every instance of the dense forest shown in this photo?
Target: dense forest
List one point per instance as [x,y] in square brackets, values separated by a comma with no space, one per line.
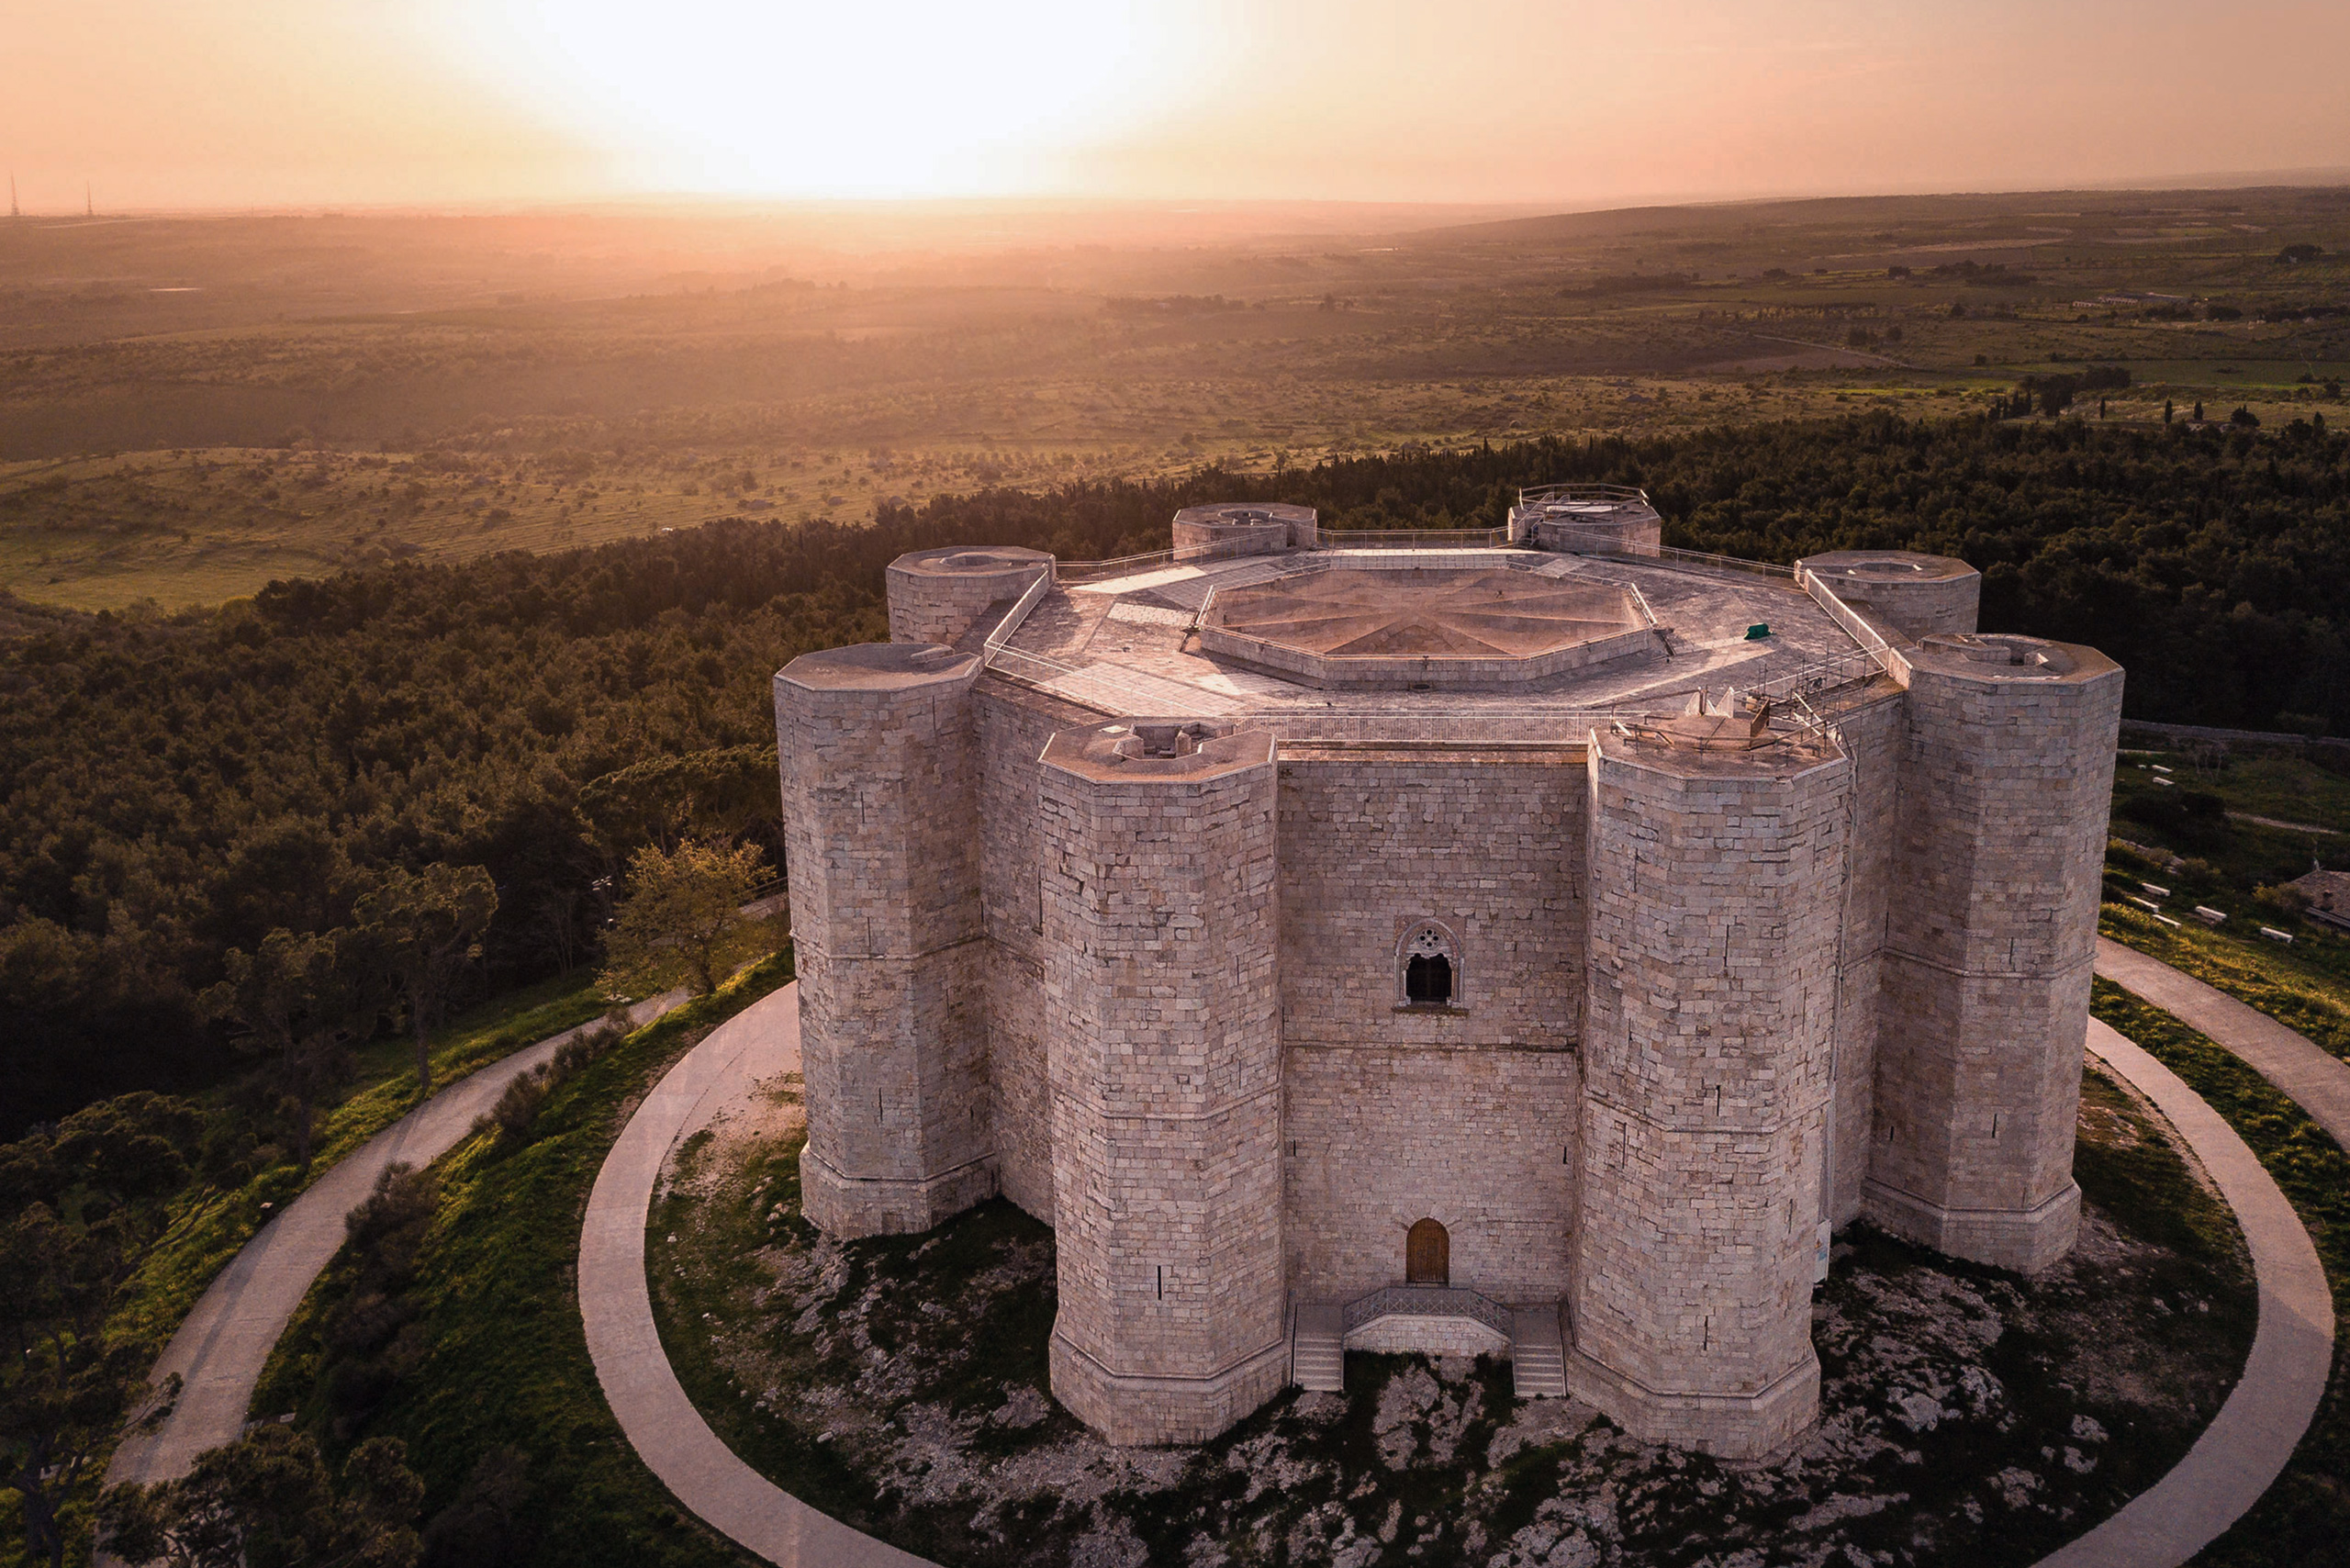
[172,787]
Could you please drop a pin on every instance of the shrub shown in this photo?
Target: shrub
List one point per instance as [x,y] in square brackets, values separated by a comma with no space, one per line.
[521,1104]
[2282,899]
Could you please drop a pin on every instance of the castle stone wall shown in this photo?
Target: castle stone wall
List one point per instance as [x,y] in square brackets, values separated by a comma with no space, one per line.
[880,824]
[1255,528]
[2005,781]
[1013,726]
[1922,595]
[1482,1140]
[1488,844]
[935,595]
[1161,943]
[1716,912]
[1872,737]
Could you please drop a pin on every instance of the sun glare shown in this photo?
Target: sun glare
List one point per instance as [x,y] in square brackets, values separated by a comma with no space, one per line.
[870,100]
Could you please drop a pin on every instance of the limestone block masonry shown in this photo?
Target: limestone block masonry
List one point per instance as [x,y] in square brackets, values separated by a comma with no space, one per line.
[1163,1011]
[935,595]
[1999,850]
[1591,996]
[880,822]
[1256,528]
[1716,913]
[1920,594]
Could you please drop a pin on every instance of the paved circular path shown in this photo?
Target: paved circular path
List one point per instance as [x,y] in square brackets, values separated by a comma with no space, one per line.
[222,1346]
[2292,1349]
[2222,1475]
[616,1303]
[2305,1071]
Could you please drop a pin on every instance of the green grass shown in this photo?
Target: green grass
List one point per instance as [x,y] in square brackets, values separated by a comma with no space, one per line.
[2304,1518]
[211,1224]
[495,1295]
[2303,990]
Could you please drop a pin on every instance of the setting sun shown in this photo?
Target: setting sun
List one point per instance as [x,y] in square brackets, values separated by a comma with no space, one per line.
[817,100]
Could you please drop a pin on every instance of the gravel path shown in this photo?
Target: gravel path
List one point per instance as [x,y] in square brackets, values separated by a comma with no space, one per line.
[616,1303]
[219,1350]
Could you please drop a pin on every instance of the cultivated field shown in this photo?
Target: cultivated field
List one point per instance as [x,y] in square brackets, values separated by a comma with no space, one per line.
[190,407]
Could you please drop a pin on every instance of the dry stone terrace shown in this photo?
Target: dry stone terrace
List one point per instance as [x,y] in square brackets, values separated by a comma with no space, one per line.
[1319,938]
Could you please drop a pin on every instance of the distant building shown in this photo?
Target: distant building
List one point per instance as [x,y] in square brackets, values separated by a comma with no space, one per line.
[1528,944]
[2329,894]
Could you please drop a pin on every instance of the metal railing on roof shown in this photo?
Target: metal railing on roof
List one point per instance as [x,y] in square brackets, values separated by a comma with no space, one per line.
[1610,545]
[994,645]
[1411,538]
[1577,492]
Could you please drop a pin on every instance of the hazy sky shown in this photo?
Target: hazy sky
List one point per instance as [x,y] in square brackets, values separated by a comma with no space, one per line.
[197,102]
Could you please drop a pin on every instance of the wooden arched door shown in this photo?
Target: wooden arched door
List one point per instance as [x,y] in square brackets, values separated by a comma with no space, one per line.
[1427,1254]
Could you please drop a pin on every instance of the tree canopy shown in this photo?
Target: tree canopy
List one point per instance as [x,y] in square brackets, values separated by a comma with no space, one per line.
[175,787]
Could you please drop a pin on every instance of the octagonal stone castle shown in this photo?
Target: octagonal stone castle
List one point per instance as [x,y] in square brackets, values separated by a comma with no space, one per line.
[1530,944]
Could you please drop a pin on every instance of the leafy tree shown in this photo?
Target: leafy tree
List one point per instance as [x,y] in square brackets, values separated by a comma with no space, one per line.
[682,923]
[423,929]
[269,1501]
[88,1204]
[664,800]
[296,996]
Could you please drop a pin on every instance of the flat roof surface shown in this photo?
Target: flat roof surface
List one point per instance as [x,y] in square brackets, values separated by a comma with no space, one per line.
[1122,645]
[1497,612]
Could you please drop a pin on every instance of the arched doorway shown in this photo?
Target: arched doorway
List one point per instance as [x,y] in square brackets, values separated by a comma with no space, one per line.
[1427,1254]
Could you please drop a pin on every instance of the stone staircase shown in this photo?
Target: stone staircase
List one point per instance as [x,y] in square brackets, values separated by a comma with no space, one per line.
[1538,1358]
[1317,1350]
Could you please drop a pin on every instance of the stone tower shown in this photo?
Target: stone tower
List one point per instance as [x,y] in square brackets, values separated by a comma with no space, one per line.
[1998,848]
[1716,903]
[881,827]
[935,595]
[1163,1021]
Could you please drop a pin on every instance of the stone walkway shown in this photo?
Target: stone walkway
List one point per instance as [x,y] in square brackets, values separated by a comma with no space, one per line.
[2303,1071]
[2230,1465]
[616,1303]
[219,1350]
[2292,1350]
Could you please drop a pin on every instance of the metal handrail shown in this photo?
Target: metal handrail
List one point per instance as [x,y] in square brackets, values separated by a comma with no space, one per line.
[1427,1301]
[1115,566]
[1407,538]
[1013,617]
[1581,490]
[1609,545]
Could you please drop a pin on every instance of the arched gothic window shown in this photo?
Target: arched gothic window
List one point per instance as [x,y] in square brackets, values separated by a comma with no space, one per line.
[1429,968]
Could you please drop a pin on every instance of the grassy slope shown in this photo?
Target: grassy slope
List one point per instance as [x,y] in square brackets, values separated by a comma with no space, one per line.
[212,1223]
[496,1293]
[2305,1515]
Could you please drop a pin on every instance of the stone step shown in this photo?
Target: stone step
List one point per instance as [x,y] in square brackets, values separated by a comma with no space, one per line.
[1537,1357]
[1317,1352]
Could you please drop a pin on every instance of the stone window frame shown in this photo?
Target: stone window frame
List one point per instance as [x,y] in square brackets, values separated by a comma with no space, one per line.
[1448,943]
